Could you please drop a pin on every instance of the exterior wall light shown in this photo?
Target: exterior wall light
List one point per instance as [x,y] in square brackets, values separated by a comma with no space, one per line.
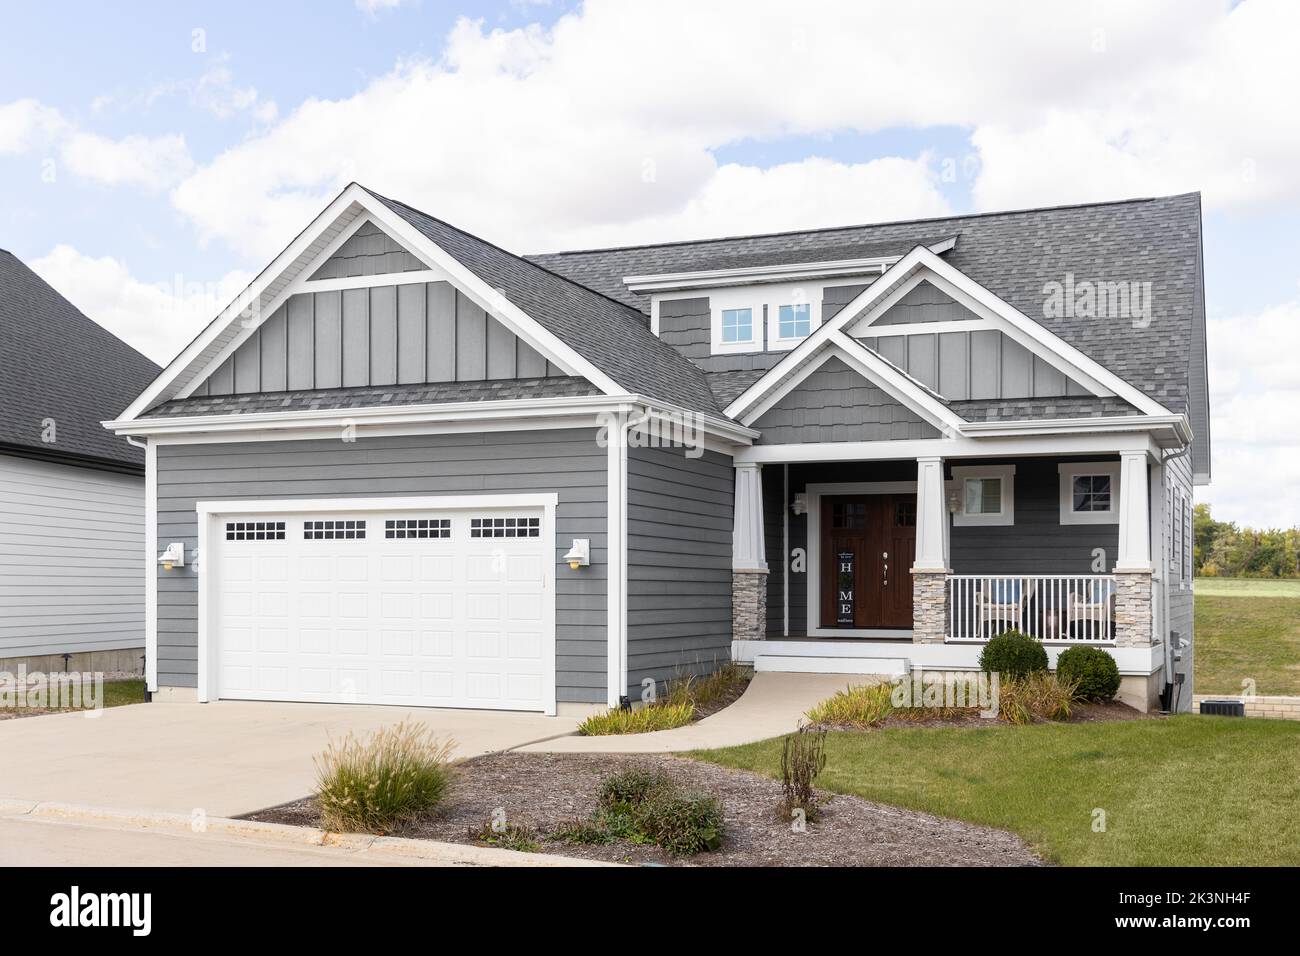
[173,557]
[579,555]
[800,504]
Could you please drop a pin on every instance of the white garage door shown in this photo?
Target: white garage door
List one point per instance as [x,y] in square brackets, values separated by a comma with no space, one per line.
[427,608]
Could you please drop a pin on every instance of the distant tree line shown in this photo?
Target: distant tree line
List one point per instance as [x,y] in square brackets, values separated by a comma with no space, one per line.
[1224,550]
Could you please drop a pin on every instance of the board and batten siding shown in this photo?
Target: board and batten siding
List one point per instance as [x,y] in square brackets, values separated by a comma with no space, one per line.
[568,462]
[381,335]
[835,403]
[679,532]
[71,559]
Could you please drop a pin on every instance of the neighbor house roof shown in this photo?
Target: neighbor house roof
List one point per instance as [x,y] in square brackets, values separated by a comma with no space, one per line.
[1014,255]
[58,365]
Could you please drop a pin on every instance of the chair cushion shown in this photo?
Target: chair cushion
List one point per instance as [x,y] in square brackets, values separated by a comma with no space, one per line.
[1004,592]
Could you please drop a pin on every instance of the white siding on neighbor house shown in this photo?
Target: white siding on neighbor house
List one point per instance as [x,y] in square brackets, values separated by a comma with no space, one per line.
[71,559]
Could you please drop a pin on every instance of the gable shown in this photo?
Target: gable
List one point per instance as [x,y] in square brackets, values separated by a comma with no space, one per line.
[421,332]
[368,251]
[837,403]
[925,302]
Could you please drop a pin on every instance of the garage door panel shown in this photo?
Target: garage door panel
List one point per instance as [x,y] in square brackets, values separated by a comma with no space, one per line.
[410,609]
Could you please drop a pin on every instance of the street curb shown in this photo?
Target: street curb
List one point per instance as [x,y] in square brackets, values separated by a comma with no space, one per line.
[396,848]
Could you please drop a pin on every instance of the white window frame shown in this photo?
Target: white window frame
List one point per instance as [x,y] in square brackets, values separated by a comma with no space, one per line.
[777,341]
[764,303]
[750,344]
[1077,469]
[1005,517]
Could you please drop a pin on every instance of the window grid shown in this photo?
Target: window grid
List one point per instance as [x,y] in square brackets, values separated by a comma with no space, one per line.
[417,528]
[737,325]
[505,527]
[254,530]
[794,321]
[333,529]
[1091,493]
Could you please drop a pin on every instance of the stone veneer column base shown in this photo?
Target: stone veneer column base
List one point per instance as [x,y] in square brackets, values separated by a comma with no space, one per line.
[929,606]
[748,605]
[1133,609]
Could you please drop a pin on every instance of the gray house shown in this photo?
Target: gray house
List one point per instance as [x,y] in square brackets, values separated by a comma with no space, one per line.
[410,467]
[71,495]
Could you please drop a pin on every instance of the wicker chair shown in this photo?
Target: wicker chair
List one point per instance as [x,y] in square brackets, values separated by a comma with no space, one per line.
[1005,601]
[1094,609]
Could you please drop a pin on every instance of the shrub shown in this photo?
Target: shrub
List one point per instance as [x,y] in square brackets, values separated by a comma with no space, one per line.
[371,784]
[681,823]
[582,833]
[1035,696]
[708,692]
[862,706]
[521,837]
[628,787]
[803,757]
[643,720]
[1093,672]
[1013,654]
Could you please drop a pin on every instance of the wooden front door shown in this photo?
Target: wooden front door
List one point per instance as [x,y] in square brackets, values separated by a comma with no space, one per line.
[868,544]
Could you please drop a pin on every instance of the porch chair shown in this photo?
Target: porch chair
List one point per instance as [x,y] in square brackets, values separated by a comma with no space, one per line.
[1093,609]
[1005,600]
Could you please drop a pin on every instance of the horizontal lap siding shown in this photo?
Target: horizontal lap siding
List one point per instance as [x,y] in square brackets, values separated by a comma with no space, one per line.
[679,564]
[71,559]
[567,462]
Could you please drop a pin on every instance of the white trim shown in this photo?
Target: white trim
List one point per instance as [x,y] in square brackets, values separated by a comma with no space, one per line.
[416,277]
[752,344]
[151,566]
[779,343]
[1176,430]
[800,452]
[1067,472]
[974,296]
[1006,516]
[616,562]
[209,511]
[814,494]
[770,273]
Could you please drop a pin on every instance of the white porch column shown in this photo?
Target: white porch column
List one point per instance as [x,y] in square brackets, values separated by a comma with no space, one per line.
[930,568]
[1134,514]
[1134,625]
[748,557]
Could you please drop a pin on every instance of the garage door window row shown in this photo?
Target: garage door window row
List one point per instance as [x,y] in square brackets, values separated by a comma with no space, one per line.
[254,530]
[417,528]
[330,530]
[506,527]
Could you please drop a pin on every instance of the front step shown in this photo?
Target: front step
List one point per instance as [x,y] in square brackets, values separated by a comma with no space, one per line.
[865,666]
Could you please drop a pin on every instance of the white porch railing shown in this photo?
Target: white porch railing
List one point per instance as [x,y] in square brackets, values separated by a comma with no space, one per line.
[1072,608]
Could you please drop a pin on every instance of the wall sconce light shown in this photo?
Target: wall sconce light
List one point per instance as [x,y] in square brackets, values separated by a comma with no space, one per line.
[173,557]
[579,555]
[800,504]
[954,501]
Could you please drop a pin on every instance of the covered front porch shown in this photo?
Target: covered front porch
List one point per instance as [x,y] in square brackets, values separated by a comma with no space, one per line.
[882,565]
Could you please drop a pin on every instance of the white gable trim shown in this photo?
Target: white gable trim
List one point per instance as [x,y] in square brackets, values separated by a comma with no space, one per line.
[919,265]
[907,392]
[191,360]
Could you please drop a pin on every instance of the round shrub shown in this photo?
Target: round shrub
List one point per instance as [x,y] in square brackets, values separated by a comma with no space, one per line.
[1093,672]
[1013,654]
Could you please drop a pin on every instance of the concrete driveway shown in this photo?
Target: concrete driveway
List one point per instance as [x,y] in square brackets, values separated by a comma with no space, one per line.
[224,759]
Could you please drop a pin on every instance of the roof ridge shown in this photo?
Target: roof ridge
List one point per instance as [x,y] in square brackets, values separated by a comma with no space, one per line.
[1025,210]
[514,255]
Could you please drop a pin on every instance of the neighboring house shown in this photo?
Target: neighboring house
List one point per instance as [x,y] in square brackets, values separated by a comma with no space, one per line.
[71,495]
[410,467]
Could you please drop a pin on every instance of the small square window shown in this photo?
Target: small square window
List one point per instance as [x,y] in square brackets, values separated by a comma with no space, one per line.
[983,496]
[794,321]
[1091,493]
[737,325]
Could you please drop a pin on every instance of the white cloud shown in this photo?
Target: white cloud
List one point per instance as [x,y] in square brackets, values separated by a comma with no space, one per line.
[373,7]
[152,162]
[26,124]
[158,319]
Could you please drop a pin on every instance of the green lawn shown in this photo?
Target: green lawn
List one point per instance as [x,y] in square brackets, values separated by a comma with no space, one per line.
[120,692]
[1184,791]
[1247,629]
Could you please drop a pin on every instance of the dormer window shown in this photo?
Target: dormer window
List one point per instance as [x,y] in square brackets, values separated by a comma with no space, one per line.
[737,326]
[794,321]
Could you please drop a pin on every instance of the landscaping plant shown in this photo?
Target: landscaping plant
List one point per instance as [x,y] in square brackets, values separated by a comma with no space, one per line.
[1013,654]
[643,720]
[520,837]
[370,784]
[866,705]
[1092,671]
[1039,695]
[647,806]
[803,758]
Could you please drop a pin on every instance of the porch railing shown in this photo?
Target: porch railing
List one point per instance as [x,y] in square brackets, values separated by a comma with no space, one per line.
[1073,608]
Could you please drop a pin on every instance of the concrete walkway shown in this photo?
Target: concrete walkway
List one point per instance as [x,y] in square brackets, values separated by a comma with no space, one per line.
[223,759]
[773,704]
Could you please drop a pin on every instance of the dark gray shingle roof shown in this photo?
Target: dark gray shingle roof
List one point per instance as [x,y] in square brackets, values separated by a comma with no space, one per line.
[612,336]
[1017,410]
[1014,254]
[56,363]
[372,396]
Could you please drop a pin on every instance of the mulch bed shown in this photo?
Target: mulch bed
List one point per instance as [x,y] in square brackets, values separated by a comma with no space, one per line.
[547,790]
[1087,712]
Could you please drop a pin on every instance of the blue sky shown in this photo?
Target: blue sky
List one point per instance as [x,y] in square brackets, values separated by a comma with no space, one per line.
[134,151]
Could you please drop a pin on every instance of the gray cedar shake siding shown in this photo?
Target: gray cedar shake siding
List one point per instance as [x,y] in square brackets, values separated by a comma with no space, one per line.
[679,518]
[71,545]
[835,403]
[368,251]
[1036,544]
[568,462]
[383,335]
